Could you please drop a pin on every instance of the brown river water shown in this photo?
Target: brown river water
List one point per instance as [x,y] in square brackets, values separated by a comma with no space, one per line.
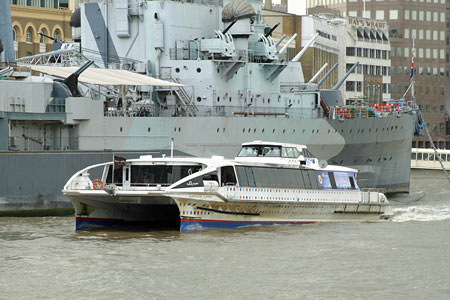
[407,258]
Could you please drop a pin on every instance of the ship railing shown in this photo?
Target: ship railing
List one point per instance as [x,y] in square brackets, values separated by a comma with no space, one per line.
[243,111]
[207,2]
[42,143]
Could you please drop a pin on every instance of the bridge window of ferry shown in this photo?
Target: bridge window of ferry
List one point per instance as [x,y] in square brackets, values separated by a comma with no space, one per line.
[145,175]
[227,176]
[250,151]
[270,151]
[118,176]
[290,152]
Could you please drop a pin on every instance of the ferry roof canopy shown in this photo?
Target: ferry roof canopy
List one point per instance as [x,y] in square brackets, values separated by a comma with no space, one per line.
[104,76]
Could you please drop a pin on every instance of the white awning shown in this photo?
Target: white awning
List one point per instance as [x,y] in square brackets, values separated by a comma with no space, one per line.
[105,76]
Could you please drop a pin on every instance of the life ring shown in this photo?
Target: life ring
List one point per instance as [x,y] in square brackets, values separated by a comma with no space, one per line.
[97,183]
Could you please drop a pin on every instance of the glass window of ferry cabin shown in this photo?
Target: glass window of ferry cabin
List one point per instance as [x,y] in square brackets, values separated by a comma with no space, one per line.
[152,175]
[227,176]
[248,151]
[118,176]
[271,151]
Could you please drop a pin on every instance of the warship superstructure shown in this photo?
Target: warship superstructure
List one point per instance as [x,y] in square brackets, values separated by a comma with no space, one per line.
[237,87]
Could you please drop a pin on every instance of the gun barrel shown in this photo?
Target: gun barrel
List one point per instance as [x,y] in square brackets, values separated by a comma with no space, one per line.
[340,82]
[318,73]
[229,26]
[280,40]
[326,75]
[299,55]
[287,44]
[83,67]
[272,29]
[47,36]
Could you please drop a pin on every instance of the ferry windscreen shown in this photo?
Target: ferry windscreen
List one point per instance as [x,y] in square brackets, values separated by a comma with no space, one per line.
[269,151]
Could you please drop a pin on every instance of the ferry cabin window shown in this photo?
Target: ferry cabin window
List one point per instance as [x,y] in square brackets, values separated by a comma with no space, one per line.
[255,151]
[118,176]
[151,175]
[290,152]
[228,176]
[276,178]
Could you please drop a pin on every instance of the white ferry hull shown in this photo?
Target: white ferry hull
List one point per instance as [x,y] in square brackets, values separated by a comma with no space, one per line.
[197,215]
[95,212]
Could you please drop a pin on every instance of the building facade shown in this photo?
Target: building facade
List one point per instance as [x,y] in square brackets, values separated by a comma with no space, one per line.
[365,41]
[51,17]
[418,26]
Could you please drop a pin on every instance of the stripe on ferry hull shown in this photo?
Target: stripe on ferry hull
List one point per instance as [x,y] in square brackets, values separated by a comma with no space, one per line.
[198,224]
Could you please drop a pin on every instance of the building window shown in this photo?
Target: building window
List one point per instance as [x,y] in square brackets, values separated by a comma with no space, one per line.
[406,14]
[406,35]
[414,15]
[14,34]
[350,86]
[350,51]
[57,34]
[393,14]
[29,35]
[379,15]
[42,38]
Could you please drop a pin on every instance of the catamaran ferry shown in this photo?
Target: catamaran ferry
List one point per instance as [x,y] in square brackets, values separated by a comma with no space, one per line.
[267,183]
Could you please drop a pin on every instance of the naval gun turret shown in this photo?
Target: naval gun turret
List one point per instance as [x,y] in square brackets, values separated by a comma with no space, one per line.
[69,86]
[220,47]
[262,44]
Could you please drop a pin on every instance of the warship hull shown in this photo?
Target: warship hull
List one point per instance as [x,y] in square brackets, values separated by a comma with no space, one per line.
[380,148]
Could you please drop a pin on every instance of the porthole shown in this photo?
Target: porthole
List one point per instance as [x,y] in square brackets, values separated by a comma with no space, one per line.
[317,131]
[392,127]
[312,131]
[293,131]
[243,130]
[303,130]
[175,129]
[262,131]
[351,130]
[329,130]
[199,70]
[177,70]
[120,129]
[217,130]
[273,131]
[254,130]
[218,99]
[362,130]
[249,130]
[268,100]
[229,99]
[199,99]
[284,130]
[223,129]
[149,129]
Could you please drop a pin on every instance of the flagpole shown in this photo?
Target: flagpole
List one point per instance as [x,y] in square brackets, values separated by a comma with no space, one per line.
[412,79]
[112,177]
